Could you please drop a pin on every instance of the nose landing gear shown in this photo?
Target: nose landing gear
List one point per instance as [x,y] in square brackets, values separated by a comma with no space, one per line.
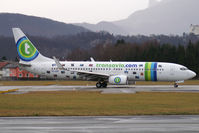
[177,82]
[175,85]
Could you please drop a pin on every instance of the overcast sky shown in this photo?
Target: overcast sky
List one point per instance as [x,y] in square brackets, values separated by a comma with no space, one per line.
[75,11]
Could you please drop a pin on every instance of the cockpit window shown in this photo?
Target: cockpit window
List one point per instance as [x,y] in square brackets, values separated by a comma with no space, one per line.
[183,68]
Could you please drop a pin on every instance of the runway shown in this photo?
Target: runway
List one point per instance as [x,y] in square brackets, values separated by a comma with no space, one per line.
[75,124]
[109,89]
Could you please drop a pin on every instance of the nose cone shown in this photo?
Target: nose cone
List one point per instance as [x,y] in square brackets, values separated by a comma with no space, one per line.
[191,74]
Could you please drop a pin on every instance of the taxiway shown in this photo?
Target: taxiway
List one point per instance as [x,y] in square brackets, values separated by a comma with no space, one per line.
[109,89]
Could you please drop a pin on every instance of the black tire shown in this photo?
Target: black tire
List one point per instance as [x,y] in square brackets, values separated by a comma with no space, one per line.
[175,85]
[104,85]
[98,85]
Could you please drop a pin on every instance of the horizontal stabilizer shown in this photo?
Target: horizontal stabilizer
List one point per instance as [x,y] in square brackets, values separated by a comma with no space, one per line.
[17,63]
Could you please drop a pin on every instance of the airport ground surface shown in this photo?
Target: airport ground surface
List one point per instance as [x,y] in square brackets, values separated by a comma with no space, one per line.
[56,100]
[101,124]
[82,83]
[81,108]
[110,89]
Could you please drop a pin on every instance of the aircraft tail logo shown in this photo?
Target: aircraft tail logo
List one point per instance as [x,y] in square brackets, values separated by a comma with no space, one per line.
[26,50]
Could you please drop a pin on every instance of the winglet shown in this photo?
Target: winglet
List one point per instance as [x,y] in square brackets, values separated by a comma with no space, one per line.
[92,60]
[58,64]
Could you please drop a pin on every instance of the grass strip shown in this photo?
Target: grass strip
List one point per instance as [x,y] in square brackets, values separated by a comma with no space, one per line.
[82,103]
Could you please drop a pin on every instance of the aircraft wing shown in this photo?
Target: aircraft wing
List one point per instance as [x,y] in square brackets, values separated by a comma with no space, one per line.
[92,75]
[83,74]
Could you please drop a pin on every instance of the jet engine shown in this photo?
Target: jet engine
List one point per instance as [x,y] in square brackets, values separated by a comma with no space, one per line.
[118,79]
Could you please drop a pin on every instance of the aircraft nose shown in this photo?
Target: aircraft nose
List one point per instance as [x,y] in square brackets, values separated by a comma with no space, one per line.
[191,74]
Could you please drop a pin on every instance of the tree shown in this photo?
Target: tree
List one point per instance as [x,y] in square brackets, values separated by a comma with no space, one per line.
[3,58]
[180,55]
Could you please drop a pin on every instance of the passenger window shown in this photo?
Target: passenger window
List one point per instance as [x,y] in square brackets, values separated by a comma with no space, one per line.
[134,73]
[48,72]
[62,72]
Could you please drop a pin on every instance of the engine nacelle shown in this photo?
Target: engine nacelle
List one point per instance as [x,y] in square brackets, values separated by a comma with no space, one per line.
[118,79]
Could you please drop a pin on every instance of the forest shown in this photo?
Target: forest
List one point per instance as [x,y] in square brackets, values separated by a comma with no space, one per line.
[187,55]
[103,46]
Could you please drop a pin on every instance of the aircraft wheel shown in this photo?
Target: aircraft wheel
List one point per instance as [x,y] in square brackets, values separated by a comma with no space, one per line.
[104,84]
[175,85]
[98,85]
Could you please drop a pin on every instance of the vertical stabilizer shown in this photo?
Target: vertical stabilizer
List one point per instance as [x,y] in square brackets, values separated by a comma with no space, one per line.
[26,50]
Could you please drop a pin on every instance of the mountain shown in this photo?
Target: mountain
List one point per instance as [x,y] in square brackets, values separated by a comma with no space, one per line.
[36,26]
[59,46]
[164,17]
[103,26]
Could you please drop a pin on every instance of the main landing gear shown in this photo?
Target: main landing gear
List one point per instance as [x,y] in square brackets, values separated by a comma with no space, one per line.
[101,84]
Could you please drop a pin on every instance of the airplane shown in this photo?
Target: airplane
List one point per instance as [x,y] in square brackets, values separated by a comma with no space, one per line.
[110,72]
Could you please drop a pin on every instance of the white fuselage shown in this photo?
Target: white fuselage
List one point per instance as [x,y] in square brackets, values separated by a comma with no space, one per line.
[135,71]
[118,73]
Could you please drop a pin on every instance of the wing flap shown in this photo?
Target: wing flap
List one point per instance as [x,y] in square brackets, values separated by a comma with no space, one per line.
[92,75]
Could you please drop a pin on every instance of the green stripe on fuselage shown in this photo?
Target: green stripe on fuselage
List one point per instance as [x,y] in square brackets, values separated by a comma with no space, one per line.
[148,71]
